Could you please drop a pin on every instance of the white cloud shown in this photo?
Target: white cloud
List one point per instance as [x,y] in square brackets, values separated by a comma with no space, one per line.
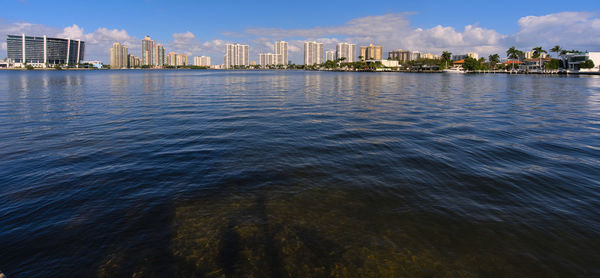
[567,29]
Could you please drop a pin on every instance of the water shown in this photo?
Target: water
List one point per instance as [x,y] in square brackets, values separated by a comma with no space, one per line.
[291,173]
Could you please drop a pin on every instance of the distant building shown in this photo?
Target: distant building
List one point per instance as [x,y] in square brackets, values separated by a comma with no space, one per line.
[313,53]
[281,49]
[236,55]
[404,56]
[386,63]
[529,54]
[330,55]
[463,56]
[133,61]
[203,61]
[430,56]
[40,51]
[148,52]
[346,50]
[118,56]
[181,60]
[573,60]
[159,57]
[371,52]
[268,59]
[172,59]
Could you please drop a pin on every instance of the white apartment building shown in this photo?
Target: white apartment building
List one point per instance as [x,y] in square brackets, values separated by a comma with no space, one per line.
[203,61]
[236,55]
[529,55]
[313,53]
[346,50]
[330,55]
[281,48]
[118,56]
[267,59]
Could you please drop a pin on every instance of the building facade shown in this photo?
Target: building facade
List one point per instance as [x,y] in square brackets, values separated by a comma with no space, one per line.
[330,55]
[202,61]
[133,61]
[148,52]
[281,48]
[313,53]
[236,55]
[347,51]
[463,56]
[160,58]
[371,52]
[118,56]
[404,56]
[43,51]
[181,60]
[268,59]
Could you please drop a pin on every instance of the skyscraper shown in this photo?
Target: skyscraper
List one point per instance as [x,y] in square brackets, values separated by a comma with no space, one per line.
[281,48]
[202,61]
[118,56]
[39,51]
[160,55]
[313,53]
[148,52]
[236,55]
[371,52]
[172,59]
[329,55]
[346,50]
[266,59]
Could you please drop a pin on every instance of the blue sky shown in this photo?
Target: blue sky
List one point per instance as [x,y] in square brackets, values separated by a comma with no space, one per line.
[200,27]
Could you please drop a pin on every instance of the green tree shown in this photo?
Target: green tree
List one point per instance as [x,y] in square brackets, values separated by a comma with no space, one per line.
[446,59]
[471,64]
[588,64]
[514,53]
[29,67]
[552,64]
[494,59]
[57,67]
[537,51]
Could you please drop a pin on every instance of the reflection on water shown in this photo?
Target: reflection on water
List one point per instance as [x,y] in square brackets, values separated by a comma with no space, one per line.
[290,173]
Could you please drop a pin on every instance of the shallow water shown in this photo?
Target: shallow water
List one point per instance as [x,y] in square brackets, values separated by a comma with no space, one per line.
[294,174]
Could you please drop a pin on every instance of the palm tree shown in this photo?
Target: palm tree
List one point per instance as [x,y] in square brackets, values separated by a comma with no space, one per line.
[556,49]
[537,51]
[446,56]
[513,53]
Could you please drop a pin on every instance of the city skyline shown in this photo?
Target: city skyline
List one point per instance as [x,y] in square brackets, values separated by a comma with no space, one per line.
[417,27]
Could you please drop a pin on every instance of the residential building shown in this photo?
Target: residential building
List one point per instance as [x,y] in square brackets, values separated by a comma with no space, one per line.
[430,56]
[330,55]
[118,56]
[133,61]
[159,58]
[463,56]
[172,59]
[404,56]
[181,60]
[313,53]
[203,61]
[267,59]
[347,51]
[573,60]
[236,55]
[42,51]
[529,55]
[534,64]
[371,52]
[281,49]
[386,63]
[148,52]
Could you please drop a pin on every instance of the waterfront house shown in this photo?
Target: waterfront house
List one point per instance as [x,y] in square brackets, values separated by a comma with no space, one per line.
[534,64]
[573,61]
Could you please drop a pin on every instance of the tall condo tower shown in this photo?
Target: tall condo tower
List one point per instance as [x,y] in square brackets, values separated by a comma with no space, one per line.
[313,53]
[236,55]
[281,49]
[346,50]
[118,56]
[148,52]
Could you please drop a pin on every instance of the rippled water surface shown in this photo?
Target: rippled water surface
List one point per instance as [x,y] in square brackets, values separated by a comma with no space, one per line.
[295,174]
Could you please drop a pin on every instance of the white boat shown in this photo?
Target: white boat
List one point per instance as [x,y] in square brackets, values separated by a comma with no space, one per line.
[454,70]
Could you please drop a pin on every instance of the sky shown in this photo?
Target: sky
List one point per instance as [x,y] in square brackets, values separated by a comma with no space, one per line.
[200,27]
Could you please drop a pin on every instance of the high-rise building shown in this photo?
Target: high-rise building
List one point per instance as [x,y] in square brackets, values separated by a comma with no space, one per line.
[172,59]
[133,61]
[181,60]
[118,56]
[430,56]
[39,51]
[236,55]
[404,55]
[267,59]
[371,52]
[313,53]
[463,56]
[346,50]
[281,49]
[148,52]
[202,61]
[529,54]
[330,55]
[159,57]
